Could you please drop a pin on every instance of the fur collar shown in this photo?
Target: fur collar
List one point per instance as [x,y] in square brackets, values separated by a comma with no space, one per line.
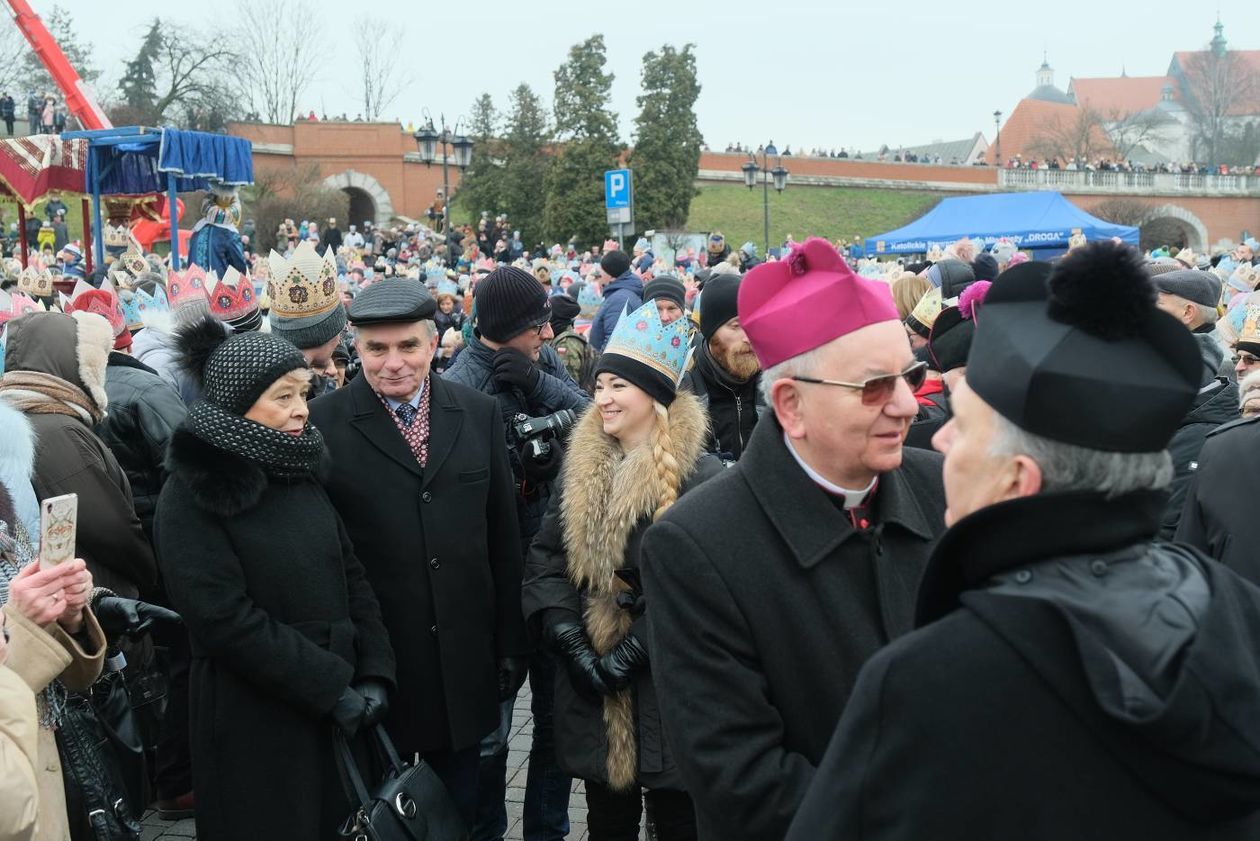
[220,482]
[607,494]
[95,339]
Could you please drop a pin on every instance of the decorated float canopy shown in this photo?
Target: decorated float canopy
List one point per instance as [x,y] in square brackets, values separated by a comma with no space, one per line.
[139,161]
[1039,221]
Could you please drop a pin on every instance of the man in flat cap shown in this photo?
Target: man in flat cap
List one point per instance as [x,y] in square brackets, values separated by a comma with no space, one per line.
[1072,675]
[770,585]
[420,476]
[1190,296]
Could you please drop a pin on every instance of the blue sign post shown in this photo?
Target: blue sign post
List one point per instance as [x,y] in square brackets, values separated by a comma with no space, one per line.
[619,201]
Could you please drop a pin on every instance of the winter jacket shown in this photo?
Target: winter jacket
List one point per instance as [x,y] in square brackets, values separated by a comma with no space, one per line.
[1219,517]
[1083,682]
[612,499]
[733,406]
[70,458]
[474,368]
[281,620]
[156,349]
[1210,409]
[441,550]
[765,599]
[143,412]
[39,656]
[578,356]
[625,293]
[19,728]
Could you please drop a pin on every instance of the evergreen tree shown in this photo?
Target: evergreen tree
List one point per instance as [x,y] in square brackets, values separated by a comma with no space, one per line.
[666,154]
[139,83]
[61,27]
[587,145]
[525,164]
[479,185]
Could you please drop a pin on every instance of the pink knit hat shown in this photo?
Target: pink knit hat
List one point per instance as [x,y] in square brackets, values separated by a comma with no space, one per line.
[794,305]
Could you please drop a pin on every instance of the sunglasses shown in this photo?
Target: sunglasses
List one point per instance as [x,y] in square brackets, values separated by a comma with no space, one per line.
[878,390]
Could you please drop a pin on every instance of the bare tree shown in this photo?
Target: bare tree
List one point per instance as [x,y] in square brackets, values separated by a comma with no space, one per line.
[13,49]
[1217,83]
[1129,130]
[279,42]
[192,72]
[1123,211]
[382,71]
[1080,137]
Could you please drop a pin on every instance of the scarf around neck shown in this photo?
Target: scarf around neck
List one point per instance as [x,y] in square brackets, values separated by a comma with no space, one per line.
[277,453]
[37,393]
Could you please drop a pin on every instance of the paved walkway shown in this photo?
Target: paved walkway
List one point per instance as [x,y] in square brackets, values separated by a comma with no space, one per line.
[518,753]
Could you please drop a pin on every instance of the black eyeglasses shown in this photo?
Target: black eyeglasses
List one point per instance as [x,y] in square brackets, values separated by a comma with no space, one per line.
[539,328]
[1245,358]
[880,389]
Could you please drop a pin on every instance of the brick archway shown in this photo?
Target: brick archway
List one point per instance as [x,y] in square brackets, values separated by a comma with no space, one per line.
[1196,232]
[353,180]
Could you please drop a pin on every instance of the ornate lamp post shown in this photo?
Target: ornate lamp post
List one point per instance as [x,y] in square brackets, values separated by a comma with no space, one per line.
[454,145]
[778,174]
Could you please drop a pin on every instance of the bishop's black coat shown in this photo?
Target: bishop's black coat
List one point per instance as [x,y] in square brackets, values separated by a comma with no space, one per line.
[441,548]
[281,620]
[1220,517]
[765,601]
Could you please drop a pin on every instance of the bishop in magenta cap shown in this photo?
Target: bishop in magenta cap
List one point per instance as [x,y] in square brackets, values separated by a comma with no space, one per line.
[803,302]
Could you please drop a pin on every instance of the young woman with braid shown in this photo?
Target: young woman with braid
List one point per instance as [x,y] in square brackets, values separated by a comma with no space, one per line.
[630,457]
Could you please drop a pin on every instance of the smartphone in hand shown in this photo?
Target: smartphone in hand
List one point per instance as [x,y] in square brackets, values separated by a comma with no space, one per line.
[59,518]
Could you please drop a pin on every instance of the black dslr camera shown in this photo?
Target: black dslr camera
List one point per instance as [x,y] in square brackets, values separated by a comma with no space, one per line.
[535,434]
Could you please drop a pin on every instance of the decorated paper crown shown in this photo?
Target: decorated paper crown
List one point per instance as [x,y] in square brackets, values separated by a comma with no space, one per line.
[589,300]
[153,308]
[115,236]
[233,297]
[15,305]
[303,285]
[661,348]
[133,257]
[104,302]
[924,314]
[36,281]
[186,294]
[1242,322]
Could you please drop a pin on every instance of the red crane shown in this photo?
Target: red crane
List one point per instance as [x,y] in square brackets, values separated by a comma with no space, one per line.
[79,99]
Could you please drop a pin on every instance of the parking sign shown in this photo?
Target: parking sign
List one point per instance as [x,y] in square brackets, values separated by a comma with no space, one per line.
[617,188]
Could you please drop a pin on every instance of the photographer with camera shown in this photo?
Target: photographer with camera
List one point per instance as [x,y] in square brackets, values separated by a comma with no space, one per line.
[510,358]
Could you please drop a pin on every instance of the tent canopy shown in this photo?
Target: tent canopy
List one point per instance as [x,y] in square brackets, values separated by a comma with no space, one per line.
[1037,220]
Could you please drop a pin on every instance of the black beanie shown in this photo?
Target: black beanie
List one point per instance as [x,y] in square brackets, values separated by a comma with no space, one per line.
[563,310]
[510,301]
[666,287]
[719,303]
[615,263]
[985,266]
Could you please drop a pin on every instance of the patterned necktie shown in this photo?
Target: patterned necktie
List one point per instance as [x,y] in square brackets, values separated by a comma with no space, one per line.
[406,413]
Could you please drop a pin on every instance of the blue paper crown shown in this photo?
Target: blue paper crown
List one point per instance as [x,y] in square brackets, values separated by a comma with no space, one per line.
[152,305]
[641,336]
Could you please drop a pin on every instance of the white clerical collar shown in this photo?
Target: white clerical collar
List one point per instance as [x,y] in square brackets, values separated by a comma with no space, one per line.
[852,499]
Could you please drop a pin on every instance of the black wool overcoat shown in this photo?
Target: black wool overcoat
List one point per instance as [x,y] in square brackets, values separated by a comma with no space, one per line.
[441,549]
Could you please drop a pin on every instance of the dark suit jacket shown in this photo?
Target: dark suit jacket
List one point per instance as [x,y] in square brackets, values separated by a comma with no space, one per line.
[765,601]
[441,549]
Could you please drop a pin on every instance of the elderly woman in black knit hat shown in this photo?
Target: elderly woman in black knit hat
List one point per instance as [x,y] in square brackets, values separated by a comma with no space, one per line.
[287,639]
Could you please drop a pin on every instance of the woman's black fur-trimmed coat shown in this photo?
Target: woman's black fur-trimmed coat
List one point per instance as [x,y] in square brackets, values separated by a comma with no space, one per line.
[282,619]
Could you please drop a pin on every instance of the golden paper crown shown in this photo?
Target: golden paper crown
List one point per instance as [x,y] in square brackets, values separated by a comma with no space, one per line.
[115,236]
[304,284]
[36,281]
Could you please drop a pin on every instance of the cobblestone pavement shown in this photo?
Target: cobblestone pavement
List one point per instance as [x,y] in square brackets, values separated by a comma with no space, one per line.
[518,752]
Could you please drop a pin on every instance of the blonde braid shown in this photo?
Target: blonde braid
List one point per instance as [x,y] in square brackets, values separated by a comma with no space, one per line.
[667,470]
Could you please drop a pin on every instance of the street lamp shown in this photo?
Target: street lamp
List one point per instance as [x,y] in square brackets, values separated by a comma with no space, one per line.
[997,138]
[454,145]
[778,174]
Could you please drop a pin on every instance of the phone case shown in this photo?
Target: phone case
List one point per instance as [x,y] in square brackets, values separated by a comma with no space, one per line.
[59,517]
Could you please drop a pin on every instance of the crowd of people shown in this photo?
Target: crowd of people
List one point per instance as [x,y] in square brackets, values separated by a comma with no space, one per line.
[1077,163]
[803,547]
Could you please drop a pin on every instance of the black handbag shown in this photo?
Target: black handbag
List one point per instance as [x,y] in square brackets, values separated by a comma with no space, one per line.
[96,796]
[410,804]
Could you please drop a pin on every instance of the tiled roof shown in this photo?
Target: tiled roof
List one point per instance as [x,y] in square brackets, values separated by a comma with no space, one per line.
[1030,120]
[1123,96]
[1049,93]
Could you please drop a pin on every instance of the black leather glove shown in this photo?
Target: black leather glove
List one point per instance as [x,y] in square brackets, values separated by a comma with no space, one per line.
[580,660]
[540,470]
[514,370]
[376,700]
[619,666]
[349,711]
[512,673]
[128,617]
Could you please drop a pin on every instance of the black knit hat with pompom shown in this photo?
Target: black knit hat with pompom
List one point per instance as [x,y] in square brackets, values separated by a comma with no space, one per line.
[1081,355]
[234,369]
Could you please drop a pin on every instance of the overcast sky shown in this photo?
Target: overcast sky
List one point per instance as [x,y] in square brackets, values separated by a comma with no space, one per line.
[802,73]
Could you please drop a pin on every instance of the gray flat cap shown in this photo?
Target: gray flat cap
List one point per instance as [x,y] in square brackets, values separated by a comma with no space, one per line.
[1193,285]
[393,301]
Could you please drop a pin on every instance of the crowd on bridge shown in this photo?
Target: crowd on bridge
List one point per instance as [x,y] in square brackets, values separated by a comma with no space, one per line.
[793,546]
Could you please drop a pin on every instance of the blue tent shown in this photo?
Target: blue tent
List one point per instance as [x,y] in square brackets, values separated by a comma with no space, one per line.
[1040,220]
